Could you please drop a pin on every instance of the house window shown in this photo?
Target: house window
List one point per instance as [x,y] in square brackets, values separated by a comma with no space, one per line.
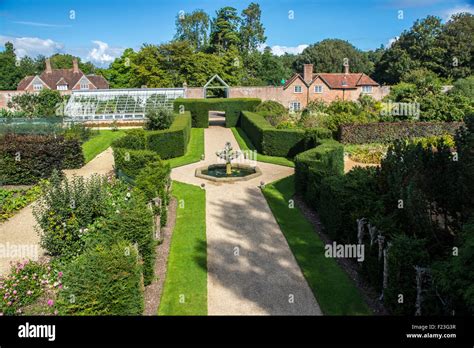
[318,89]
[62,87]
[84,85]
[366,89]
[37,87]
[298,89]
[295,106]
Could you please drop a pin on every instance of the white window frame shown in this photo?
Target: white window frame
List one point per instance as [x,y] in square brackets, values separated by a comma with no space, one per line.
[83,86]
[292,108]
[300,89]
[367,89]
[37,86]
[318,89]
[61,87]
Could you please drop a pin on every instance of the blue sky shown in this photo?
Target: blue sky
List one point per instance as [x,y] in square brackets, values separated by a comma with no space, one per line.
[101,29]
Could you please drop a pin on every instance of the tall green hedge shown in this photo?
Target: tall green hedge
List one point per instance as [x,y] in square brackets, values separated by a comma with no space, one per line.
[384,132]
[200,108]
[315,164]
[131,162]
[25,159]
[167,143]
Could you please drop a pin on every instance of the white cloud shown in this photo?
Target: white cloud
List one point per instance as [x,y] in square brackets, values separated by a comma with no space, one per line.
[32,46]
[40,24]
[458,9]
[281,50]
[103,54]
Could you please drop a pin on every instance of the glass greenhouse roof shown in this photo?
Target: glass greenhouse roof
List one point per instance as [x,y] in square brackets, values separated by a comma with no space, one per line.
[119,104]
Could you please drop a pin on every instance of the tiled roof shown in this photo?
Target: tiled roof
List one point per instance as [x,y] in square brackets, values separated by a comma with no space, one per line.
[291,79]
[64,76]
[25,82]
[352,80]
[99,81]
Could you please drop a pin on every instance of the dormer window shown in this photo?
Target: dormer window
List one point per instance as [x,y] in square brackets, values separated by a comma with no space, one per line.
[37,87]
[344,83]
[298,89]
[61,87]
[84,85]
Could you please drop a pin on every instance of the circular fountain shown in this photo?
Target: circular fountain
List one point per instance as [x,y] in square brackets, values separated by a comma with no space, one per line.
[228,171]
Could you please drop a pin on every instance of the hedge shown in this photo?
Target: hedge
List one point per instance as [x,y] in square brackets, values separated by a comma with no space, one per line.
[25,159]
[130,162]
[271,141]
[200,108]
[384,132]
[105,280]
[168,143]
[313,165]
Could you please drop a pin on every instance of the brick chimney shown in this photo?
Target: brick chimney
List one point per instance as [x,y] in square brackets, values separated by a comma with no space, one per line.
[346,68]
[48,66]
[75,66]
[308,73]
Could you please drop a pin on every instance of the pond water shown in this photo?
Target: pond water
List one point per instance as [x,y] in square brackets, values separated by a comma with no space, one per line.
[220,172]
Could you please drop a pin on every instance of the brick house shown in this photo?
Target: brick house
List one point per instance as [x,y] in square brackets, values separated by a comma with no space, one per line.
[62,80]
[299,90]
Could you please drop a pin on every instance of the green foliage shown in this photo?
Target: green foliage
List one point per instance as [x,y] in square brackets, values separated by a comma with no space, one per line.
[464,87]
[224,29]
[120,72]
[25,159]
[328,56]
[271,107]
[43,104]
[200,108]
[385,132]
[10,75]
[168,143]
[65,211]
[159,119]
[131,162]
[194,28]
[13,200]
[105,280]
[312,166]
[367,153]
[25,283]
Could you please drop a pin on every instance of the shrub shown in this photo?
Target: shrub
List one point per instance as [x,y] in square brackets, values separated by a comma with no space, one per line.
[159,119]
[134,139]
[79,131]
[367,153]
[270,107]
[42,104]
[200,108]
[313,165]
[384,132]
[66,209]
[130,162]
[105,280]
[154,181]
[25,159]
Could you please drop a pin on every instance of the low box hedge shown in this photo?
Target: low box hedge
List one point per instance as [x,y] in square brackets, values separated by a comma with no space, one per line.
[200,108]
[384,132]
[271,141]
[313,165]
[26,159]
[168,143]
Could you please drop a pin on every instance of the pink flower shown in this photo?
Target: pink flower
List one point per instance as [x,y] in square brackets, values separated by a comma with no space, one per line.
[14,292]
[9,303]
[50,303]
[60,274]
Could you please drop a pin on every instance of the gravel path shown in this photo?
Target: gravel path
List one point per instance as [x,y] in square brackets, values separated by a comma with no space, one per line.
[18,238]
[251,269]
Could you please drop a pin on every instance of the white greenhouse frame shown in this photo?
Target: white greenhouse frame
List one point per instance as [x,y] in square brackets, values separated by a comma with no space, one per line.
[119,104]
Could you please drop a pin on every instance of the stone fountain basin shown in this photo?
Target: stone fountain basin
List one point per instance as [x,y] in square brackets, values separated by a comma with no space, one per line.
[256,172]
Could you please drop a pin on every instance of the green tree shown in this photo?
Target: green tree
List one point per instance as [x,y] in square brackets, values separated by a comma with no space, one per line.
[194,28]
[456,39]
[272,69]
[224,29]
[147,68]
[464,87]
[328,56]
[10,73]
[252,32]
[120,72]
[64,61]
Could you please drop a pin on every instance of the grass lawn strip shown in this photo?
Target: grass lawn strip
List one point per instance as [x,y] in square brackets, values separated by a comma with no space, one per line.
[100,142]
[333,289]
[246,144]
[194,151]
[185,289]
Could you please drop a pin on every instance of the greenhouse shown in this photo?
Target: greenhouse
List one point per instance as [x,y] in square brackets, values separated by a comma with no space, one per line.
[119,104]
